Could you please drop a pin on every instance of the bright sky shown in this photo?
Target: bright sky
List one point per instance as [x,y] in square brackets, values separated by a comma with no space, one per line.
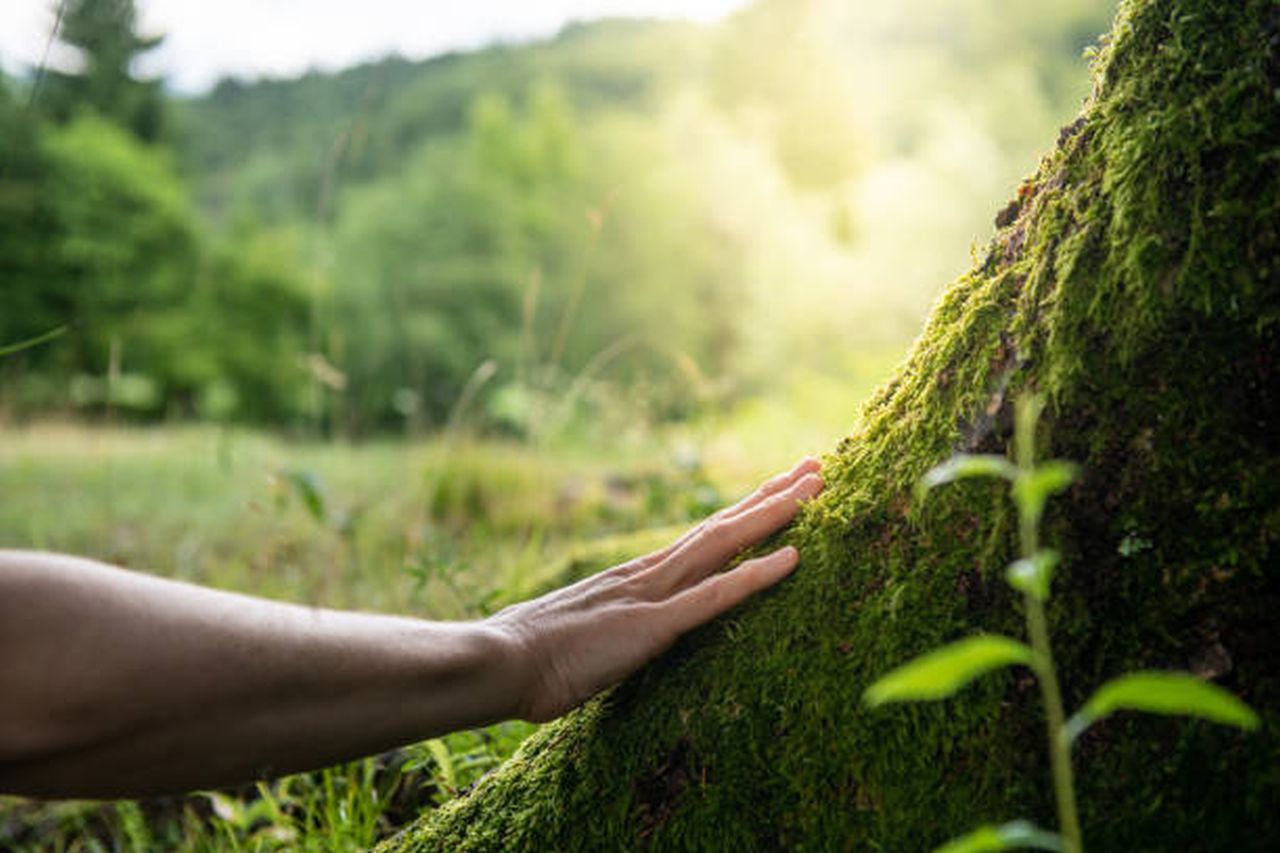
[208,39]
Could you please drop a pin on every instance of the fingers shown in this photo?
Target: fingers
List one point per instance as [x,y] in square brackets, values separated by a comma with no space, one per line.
[772,486]
[722,538]
[722,592]
[609,624]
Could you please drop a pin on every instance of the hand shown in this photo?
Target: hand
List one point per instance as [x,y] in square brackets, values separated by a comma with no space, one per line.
[574,642]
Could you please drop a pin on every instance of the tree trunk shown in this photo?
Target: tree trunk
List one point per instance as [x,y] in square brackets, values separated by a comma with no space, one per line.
[1135,282]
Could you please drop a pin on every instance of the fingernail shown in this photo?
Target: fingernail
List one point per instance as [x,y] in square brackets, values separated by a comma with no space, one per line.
[786,558]
[810,484]
[803,461]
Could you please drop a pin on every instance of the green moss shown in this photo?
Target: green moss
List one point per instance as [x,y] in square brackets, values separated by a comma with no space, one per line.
[1137,283]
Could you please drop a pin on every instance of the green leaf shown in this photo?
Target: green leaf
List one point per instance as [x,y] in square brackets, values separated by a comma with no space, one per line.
[964,466]
[1162,693]
[942,672]
[310,488]
[1033,574]
[1033,488]
[1007,836]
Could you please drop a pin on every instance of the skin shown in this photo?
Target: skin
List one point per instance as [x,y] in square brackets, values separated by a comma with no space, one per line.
[120,684]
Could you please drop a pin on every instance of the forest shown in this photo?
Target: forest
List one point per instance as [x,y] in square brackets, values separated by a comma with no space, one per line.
[340,253]
[435,335]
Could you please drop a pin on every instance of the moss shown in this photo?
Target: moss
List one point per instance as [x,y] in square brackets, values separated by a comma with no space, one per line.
[1136,281]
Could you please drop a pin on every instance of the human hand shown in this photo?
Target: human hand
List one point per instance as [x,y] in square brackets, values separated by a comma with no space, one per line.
[574,642]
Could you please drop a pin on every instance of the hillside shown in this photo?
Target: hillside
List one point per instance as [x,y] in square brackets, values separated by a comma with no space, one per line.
[274,145]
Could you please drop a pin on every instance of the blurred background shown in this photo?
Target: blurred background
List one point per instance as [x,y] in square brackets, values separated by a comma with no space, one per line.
[413,306]
[629,221]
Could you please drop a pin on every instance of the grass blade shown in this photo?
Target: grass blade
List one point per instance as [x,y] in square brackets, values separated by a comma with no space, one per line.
[32,342]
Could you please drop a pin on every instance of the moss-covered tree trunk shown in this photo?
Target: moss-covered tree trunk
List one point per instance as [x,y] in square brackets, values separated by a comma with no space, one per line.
[1136,283]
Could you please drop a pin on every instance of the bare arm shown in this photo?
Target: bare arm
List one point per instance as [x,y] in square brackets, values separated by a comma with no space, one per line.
[114,683]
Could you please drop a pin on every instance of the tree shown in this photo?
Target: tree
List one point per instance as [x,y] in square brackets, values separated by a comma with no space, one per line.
[1135,282]
[103,33]
[558,247]
[100,237]
[27,222]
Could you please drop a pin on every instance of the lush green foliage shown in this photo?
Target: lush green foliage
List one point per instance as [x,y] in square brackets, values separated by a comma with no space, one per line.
[634,214]
[107,244]
[498,247]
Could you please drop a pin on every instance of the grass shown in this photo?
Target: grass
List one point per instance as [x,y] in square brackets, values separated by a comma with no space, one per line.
[319,524]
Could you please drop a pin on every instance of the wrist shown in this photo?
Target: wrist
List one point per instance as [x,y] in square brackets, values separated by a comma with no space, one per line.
[505,660]
[515,657]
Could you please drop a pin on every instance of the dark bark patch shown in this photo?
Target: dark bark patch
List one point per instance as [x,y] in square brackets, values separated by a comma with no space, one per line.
[658,793]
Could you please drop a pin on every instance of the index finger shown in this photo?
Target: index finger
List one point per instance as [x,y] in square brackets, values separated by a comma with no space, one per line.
[721,539]
[775,484]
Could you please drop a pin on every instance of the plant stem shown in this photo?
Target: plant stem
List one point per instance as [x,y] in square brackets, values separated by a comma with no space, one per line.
[1059,750]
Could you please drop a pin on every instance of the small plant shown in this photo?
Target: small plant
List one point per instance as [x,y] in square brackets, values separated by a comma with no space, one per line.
[942,672]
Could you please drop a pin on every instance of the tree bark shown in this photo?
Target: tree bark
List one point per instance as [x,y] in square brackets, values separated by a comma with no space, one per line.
[1135,282]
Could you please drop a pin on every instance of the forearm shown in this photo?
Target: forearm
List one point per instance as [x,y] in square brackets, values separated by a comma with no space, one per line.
[117,683]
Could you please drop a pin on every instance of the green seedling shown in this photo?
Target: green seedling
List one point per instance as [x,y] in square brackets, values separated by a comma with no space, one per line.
[944,671]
